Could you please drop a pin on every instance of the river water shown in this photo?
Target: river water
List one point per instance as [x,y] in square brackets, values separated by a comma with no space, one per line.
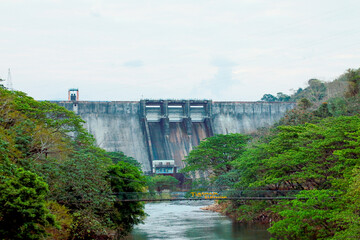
[185,220]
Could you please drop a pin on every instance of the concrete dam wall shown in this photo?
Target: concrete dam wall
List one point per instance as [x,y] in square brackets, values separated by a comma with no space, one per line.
[168,129]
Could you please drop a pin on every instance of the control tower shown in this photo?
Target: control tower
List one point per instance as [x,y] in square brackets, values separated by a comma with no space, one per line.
[73,94]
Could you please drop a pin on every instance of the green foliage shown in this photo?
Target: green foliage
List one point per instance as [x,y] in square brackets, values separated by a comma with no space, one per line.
[314,148]
[252,211]
[298,116]
[82,182]
[304,103]
[280,97]
[248,165]
[309,218]
[269,98]
[215,154]
[23,213]
[63,218]
[161,182]
[50,141]
[125,177]
[323,111]
[310,156]
[348,219]
[353,78]
[121,157]
[201,184]
[324,99]
[316,91]
[227,180]
[338,107]
[86,225]
[317,158]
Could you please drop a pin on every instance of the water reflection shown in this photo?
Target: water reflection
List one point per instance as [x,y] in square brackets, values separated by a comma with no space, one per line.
[185,220]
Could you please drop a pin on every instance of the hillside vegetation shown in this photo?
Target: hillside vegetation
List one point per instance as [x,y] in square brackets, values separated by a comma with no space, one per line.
[314,150]
[55,182]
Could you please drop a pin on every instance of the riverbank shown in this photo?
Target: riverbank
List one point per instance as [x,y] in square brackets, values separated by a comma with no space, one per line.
[223,208]
[220,208]
[215,207]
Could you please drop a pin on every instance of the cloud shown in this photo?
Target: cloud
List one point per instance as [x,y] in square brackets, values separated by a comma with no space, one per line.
[133,64]
[223,63]
[217,49]
[97,9]
[223,78]
[95,13]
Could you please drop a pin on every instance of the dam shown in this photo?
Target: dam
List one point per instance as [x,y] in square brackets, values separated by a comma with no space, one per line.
[150,130]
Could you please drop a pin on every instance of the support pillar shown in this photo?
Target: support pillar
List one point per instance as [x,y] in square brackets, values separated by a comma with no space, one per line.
[142,108]
[187,118]
[208,108]
[165,117]
[146,131]
[208,118]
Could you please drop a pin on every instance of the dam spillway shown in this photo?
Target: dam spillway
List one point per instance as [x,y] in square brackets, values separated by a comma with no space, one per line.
[150,130]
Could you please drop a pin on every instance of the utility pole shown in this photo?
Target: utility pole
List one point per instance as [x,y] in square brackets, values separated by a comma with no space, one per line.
[8,81]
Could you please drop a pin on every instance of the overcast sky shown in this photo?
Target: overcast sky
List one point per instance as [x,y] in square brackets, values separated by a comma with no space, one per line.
[214,49]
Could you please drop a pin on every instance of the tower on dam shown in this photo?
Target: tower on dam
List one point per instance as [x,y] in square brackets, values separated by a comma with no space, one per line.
[161,129]
[73,94]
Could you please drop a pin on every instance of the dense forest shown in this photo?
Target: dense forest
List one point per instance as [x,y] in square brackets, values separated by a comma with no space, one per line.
[55,183]
[314,151]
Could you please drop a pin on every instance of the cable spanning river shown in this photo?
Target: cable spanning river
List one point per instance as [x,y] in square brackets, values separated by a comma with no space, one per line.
[185,220]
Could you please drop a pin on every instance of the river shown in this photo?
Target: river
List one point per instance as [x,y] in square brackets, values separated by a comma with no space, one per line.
[184,220]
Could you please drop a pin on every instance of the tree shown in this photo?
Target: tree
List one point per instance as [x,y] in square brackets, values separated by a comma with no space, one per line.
[348,218]
[50,141]
[299,90]
[323,111]
[161,182]
[269,98]
[353,79]
[304,103]
[311,218]
[282,97]
[120,156]
[304,156]
[316,90]
[126,178]
[318,159]
[215,154]
[81,180]
[23,213]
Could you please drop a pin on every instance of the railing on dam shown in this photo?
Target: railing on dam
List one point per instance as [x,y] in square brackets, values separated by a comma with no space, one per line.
[207,195]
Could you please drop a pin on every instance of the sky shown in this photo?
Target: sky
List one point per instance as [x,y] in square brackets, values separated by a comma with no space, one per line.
[224,50]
